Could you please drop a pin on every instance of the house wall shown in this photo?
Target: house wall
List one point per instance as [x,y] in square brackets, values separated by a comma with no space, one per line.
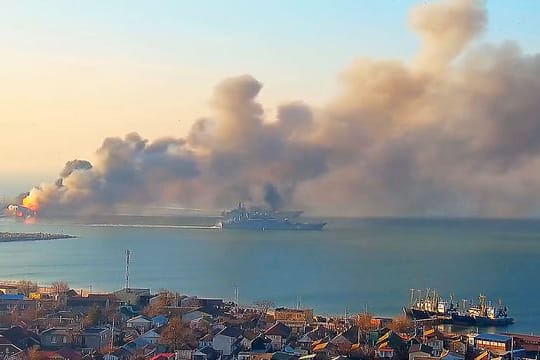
[293,317]
[140,324]
[54,340]
[151,338]
[97,341]
[224,344]
[493,345]
[183,354]
[437,345]
[384,354]
[277,342]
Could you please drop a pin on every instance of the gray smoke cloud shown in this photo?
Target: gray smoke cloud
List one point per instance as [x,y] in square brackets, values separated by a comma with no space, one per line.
[70,167]
[454,132]
[272,197]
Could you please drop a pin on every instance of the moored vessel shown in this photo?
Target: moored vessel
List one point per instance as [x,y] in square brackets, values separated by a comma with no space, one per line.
[261,219]
[428,305]
[482,314]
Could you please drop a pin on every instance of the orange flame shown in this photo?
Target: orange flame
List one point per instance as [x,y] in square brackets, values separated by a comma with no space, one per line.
[31,203]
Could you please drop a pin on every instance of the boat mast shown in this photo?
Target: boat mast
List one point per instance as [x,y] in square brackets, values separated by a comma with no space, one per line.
[411,300]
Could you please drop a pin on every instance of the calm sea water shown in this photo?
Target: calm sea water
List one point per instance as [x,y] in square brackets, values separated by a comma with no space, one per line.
[354,263]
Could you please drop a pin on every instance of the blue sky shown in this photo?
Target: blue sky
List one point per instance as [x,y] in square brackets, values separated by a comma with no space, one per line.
[297,44]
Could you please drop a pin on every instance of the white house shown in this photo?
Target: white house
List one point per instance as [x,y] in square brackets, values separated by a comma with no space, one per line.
[151,337]
[194,315]
[278,333]
[227,341]
[140,322]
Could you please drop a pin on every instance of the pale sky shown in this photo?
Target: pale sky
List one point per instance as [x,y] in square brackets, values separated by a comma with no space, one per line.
[74,72]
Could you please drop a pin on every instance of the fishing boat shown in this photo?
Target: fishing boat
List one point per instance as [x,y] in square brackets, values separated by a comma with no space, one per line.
[482,314]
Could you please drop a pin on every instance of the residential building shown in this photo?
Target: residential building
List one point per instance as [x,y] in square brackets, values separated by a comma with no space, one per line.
[96,337]
[9,289]
[493,342]
[56,338]
[294,318]
[140,322]
[7,348]
[278,334]
[227,341]
[418,351]
[151,336]
[134,296]
[20,337]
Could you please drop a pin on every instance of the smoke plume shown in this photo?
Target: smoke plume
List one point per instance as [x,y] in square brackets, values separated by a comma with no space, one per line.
[272,197]
[454,132]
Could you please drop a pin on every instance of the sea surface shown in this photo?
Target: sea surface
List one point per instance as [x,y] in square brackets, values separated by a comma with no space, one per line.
[351,265]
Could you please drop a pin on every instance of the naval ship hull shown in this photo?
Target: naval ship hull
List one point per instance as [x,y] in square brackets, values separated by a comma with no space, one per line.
[262,225]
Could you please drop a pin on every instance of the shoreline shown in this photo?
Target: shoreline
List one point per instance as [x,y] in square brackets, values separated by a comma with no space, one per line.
[37,236]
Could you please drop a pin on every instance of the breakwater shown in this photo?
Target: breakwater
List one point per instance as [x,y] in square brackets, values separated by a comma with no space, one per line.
[18,236]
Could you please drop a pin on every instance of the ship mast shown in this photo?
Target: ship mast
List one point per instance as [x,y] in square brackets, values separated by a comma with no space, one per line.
[411,300]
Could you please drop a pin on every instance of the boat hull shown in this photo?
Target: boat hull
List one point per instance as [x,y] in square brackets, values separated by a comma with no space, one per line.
[465,320]
[417,314]
[486,321]
[474,320]
[273,225]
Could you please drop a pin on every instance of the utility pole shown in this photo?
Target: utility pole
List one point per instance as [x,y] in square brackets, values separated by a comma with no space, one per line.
[128,254]
[112,337]
[236,297]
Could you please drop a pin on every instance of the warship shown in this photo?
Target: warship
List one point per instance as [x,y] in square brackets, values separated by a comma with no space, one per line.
[263,219]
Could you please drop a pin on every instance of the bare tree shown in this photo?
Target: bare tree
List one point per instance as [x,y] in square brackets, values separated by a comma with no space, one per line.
[401,324]
[264,305]
[363,321]
[158,305]
[26,287]
[177,335]
[60,287]
[94,317]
